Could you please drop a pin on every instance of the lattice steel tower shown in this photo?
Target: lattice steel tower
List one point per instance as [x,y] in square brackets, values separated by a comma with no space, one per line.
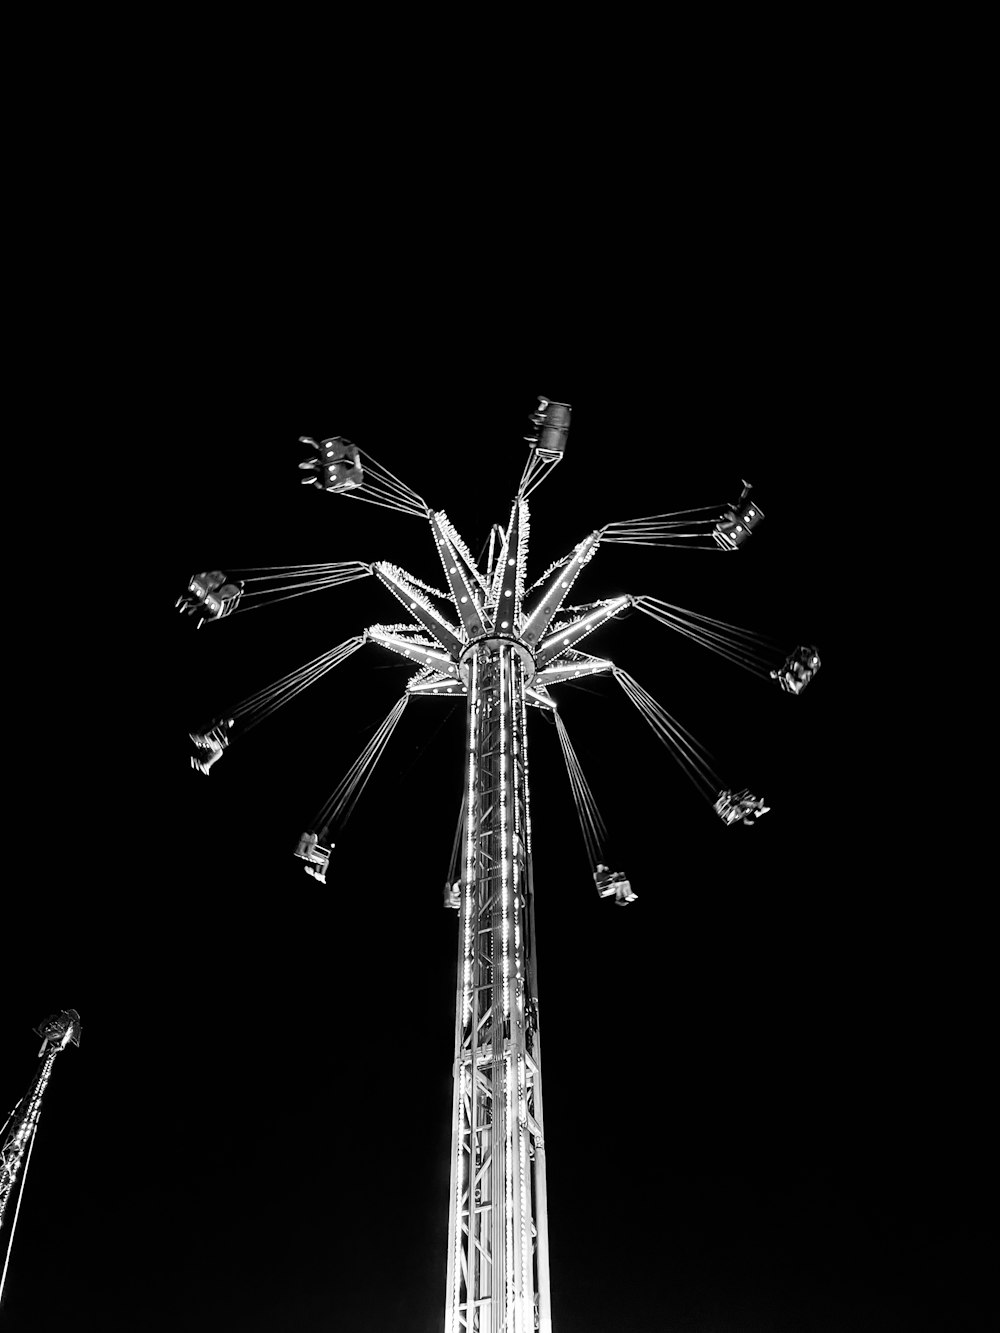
[57,1032]
[498,1274]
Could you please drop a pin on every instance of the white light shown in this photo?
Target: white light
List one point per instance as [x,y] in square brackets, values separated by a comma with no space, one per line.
[507,592]
[465,599]
[510,562]
[452,570]
[504,624]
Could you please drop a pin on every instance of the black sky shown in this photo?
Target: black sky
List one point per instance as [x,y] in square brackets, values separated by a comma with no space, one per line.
[765,1082]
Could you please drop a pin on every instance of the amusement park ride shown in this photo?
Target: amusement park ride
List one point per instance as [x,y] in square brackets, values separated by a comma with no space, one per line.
[57,1032]
[501,644]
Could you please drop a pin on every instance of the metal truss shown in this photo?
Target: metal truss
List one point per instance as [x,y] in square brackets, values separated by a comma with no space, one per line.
[498,1258]
[57,1032]
[502,658]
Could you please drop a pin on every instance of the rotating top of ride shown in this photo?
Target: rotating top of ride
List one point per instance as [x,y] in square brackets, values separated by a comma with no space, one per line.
[490,602]
[488,608]
[61,1029]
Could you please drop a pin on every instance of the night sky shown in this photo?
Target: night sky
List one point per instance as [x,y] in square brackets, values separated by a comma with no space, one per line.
[765,1082]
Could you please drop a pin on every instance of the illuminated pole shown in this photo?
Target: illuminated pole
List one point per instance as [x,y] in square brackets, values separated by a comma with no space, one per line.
[57,1032]
[502,657]
[498,1278]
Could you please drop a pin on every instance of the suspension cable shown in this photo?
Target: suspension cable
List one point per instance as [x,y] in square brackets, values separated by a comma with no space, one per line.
[299,579]
[591,823]
[673,518]
[682,526]
[531,469]
[456,846]
[254,709]
[692,756]
[690,541]
[345,796]
[753,652]
[264,573]
[390,479]
[532,480]
[382,487]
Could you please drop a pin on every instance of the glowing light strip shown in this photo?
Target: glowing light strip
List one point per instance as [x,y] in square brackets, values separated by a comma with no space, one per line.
[527,793]
[470,819]
[447,552]
[551,601]
[428,680]
[398,582]
[397,629]
[521,569]
[458,1206]
[579,628]
[467,966]
[451,532]
[25,1129]
[559,671]
[615,604]
[509,1182]
[498,571]
[517,730]
[424,673]
[527,1312]
[511,1275]
[505,861]
[556,564]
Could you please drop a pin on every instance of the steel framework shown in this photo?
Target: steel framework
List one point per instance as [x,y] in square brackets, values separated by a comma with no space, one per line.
[502,656]
[57,1032]
[503,660]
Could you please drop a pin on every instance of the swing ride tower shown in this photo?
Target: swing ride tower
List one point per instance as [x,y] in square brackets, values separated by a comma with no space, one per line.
[498,1240]
[498,1264]
[497,1274]
[57,1032]
[501,648]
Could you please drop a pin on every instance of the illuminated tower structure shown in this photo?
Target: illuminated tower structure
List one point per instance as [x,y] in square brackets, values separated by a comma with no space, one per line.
[503,658]
[498,1239]
[57,1032]
[501,645]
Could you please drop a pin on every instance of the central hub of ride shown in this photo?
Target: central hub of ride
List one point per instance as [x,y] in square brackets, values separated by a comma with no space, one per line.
[497,641]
